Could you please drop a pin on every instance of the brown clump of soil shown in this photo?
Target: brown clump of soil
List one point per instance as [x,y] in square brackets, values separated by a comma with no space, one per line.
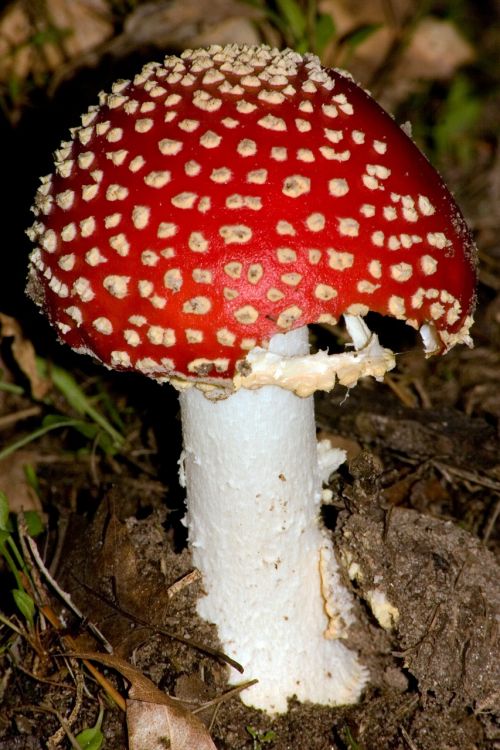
[438,588]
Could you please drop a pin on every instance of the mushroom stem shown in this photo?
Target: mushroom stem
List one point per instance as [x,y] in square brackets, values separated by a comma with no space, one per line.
[270,575]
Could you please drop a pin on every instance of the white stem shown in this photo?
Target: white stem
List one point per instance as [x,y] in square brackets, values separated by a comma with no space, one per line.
[270,575]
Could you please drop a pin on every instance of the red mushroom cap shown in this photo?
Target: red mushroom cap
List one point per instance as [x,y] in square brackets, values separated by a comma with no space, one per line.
[234,193]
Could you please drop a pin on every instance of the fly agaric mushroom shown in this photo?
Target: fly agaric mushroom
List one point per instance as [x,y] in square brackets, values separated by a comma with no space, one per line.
[199,218]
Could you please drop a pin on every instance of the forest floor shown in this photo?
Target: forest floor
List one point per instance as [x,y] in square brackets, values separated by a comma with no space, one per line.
[416,504]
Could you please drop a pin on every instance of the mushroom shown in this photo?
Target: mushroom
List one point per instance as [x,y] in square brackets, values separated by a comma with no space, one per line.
[199,218]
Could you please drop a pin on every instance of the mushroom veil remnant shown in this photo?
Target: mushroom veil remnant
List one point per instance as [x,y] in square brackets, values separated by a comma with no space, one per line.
[197,220]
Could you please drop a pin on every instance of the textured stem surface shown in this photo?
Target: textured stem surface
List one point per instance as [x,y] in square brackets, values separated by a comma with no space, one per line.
[270,576]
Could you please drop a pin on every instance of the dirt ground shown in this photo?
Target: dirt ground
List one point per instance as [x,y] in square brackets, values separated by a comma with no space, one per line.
[414,511]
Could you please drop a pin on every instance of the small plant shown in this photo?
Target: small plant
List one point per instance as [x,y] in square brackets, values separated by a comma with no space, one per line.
[350,742]
[103,431]
[33,615]
[260,738]
[92,738]
[302,25]
[454,132]
[9,387]
[22,584]
[449,134]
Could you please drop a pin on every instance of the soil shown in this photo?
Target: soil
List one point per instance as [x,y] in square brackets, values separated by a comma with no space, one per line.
[413,513]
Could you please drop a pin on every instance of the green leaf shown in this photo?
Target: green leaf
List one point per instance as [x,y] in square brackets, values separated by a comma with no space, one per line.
[11,388]
[25,604]
[293,16]
[108,446]
[47,427]
[352,744]
[358,35]
[70,389]
[87,429]
[110,407]
[51,421]
[453,133]
[50,35]
[324,31]
[93,738]
[75,396]
[90,739]
[261,738]
[31,477]
[6,539]
[17,563]
[93,432]
[34,523]
[4,535]
[4,512]
[302,46]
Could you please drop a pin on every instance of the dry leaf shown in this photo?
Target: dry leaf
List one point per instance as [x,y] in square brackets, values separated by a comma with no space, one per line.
[15,54]
[154,727]
[117,560]
[13,482]
[348,16]
[188,23]
[24,354]
[89,22]
[36,37]
[234,30]
[155,720]
[436,50]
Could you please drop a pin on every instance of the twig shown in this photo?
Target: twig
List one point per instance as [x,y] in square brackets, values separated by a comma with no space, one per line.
[103,681]
[406,708]
[10,419]
[162,631]
[62,527]
[94,460]
[182,583]
[405,396]
[491,522]
[66,597]
[225,696]
[66,724]
[387,522]
[33,580]
[425,636]
[4,682]
[217,702]
[422,392]
[9,624]
[39,678]
[47,612]
[408,739]
[43,708]
[467,476]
